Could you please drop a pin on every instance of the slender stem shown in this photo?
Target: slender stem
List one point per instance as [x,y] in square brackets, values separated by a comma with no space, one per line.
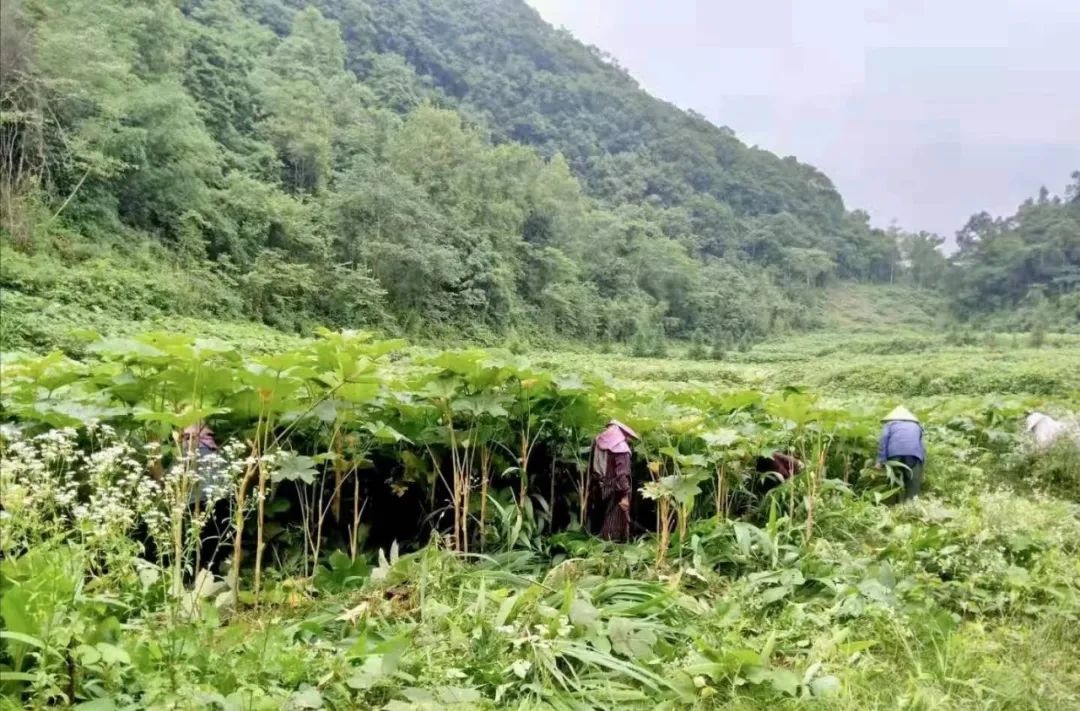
[354,538]
[260,542]
[339,466]
[551,499]
[241,499]
[485,473]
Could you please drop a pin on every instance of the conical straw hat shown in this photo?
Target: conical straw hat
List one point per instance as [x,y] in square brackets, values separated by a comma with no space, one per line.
[625,428]
[900,413]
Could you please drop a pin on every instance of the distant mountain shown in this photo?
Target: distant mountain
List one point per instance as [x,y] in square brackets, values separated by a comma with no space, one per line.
[500,63]
[441,168]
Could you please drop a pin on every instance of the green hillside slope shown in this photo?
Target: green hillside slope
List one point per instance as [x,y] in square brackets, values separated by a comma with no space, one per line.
[432,168]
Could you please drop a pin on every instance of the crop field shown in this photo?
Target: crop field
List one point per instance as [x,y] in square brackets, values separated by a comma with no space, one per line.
[405,528]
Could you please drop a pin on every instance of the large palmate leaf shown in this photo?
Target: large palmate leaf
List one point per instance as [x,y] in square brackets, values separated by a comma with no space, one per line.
[66,413]
[49,372]
[489,403]
[442,389]
[295,467]
[383,432]
[468,362]
[719,438]
[128,349]
[186,417]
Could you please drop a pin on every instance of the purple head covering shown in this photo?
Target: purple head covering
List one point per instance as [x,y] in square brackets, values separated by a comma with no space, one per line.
[615,438]
[204,433]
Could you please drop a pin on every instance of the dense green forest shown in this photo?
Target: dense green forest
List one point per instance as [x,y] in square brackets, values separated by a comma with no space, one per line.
[432,168]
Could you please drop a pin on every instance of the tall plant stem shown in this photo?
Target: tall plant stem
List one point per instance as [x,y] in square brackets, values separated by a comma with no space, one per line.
[814,480]
[339,467]
[663,517]
[260,542]
[354,536]
[524,473]
[485,474]
[583,493]
[551,500]
[721,491]
[238,536]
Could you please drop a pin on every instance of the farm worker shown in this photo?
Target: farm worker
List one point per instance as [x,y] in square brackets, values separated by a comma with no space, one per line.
[783,465]
[902,442]
[210,473]
[611,464]
[1045,430]
[198,441]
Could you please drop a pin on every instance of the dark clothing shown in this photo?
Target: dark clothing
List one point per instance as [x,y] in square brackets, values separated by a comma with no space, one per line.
[215,544]
[614,489]
[784,465]
[913,476]
[901,438]
[209,472]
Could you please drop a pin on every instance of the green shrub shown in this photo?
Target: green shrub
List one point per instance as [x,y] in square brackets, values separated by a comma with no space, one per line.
[1037,335]
[516,344]
[697,350]
[640,347]
[1055,470]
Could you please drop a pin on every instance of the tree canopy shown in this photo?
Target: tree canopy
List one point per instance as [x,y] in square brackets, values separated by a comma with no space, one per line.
[427,165]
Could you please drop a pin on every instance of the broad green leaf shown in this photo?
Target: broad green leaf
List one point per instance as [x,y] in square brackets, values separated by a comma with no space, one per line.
[458,695]
[111,654]
[125,348]
[583,613]
[26,639]
[295,467]
[368,674]
[630,639]
[385,433]
[825,686]
[17,676]
[308,698]
[179,420]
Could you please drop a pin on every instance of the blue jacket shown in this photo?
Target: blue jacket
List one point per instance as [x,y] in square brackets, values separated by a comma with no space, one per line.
[901,438]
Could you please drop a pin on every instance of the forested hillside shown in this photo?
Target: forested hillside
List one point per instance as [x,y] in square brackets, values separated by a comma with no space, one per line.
[1027,263]
[430,167]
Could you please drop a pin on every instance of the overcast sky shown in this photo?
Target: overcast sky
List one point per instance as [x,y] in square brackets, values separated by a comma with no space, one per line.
[922,111]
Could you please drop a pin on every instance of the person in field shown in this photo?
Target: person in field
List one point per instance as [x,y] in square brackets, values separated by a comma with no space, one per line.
[902,443]
[611,465]
[783,465]
[774,470]
[198,441]
[1045,431]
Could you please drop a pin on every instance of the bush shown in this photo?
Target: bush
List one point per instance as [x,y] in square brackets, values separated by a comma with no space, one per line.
[697,349]
[516,344]
[1056,469]
[640,347]
[1037,336]
[962,337]
[648,345]
[719,348]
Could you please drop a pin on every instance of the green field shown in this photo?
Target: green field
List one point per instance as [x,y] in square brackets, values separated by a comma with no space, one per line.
[453,571]
[200,200]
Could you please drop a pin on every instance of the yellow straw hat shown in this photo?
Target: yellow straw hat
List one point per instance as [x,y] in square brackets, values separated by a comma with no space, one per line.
[900,414]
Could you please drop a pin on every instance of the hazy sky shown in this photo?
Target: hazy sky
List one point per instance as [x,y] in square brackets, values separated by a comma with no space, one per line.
[922,111]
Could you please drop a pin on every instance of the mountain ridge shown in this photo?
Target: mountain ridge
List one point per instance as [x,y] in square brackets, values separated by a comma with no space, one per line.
[423,167]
